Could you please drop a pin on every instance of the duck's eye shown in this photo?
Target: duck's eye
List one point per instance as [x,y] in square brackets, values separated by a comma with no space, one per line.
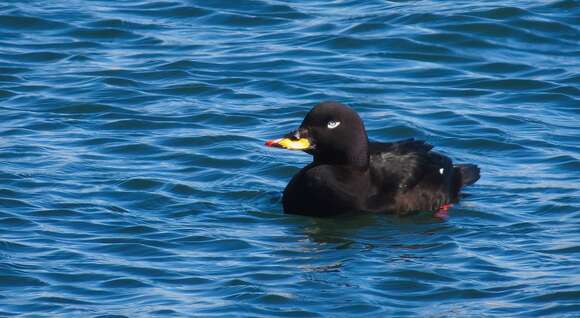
[332,124]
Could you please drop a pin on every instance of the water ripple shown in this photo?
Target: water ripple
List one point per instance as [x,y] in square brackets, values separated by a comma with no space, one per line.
[134,183]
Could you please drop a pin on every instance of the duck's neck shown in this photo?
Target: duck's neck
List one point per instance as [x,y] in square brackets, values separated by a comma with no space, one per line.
[356,156]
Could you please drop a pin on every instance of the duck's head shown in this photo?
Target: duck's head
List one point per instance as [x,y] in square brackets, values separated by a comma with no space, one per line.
[332,133]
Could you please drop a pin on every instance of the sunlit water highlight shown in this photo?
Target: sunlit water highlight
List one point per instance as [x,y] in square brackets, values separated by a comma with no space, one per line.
[134,181]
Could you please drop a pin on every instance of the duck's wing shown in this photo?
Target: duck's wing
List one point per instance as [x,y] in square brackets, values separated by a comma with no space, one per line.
[404,164]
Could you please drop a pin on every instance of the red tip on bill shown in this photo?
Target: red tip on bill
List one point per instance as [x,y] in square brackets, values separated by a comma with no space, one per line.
[270,143]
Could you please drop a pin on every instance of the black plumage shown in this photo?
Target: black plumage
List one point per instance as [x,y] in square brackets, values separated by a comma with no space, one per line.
[350,174]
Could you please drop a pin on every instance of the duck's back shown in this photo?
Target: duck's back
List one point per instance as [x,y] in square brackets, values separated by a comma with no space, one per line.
[408,176]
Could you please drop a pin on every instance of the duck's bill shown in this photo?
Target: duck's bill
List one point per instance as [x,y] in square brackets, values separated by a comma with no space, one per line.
[291,144]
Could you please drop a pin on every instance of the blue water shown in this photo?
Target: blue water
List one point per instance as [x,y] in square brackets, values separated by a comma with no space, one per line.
[134,181]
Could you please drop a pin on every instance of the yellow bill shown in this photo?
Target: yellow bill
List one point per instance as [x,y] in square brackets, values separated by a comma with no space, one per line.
[287,143]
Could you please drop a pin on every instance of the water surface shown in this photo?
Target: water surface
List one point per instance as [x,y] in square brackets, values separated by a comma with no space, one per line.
[134,181]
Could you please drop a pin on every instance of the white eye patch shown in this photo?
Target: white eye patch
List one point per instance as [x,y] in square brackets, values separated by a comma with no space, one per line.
[332,124]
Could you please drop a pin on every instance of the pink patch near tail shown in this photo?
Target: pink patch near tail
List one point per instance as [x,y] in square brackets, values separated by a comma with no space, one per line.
[443,211]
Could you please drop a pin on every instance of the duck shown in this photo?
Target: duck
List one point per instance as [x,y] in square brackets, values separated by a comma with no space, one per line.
[350,174]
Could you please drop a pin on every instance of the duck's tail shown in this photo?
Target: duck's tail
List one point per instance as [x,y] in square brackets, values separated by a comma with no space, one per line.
[469,173]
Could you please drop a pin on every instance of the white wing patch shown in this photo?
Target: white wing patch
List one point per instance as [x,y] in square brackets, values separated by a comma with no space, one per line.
[441,171]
